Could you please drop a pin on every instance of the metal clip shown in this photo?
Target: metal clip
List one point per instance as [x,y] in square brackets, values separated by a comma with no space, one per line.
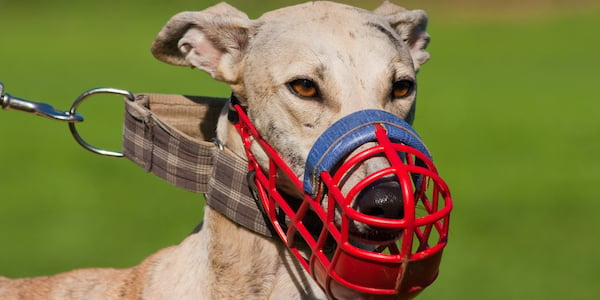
[9,102]
[46,110]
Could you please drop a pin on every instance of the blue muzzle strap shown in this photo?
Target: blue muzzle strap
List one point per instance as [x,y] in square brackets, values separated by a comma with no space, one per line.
[350,132]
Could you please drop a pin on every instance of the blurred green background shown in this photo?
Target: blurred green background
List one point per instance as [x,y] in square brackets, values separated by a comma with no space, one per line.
[506,105]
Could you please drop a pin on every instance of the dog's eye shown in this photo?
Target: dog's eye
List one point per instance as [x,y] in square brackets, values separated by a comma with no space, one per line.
[304,88]
[402,88]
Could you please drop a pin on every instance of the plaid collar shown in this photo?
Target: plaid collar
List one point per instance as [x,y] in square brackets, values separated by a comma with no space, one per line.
[183,154]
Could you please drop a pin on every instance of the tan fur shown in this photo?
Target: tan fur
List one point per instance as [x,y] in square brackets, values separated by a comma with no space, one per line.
[352,54]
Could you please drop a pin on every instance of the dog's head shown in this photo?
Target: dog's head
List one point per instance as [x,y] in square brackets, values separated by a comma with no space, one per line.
[299,69]
[297,72]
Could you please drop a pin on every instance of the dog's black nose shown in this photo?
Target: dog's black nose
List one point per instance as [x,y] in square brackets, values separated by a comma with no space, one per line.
[382,199]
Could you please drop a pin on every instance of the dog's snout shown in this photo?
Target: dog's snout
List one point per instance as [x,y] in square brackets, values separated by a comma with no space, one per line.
[382,199]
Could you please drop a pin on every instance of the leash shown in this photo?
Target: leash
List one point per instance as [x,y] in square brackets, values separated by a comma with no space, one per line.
[172,137]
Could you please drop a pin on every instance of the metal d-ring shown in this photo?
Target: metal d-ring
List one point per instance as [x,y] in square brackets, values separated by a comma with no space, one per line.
[128,95]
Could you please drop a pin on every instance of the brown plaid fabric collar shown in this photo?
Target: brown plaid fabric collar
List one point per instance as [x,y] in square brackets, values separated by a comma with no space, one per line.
[170,136]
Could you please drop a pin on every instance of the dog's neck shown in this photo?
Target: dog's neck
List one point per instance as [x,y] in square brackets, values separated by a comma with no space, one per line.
[227,134]
[231,192]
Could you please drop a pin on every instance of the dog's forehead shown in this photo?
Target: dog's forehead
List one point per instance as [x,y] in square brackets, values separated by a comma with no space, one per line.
[319,29]
[312,8]
[305,21]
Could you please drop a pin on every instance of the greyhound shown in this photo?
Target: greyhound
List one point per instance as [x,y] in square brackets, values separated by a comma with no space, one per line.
[296,70]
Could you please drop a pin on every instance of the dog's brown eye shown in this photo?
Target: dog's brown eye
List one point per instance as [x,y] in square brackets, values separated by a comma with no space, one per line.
[304,88]
[402,88]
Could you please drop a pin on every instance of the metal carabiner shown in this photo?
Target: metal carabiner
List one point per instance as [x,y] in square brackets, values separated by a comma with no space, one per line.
[46,110]
[73,111]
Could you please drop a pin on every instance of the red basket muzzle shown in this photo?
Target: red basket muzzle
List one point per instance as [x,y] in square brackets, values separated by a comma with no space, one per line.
[376,234]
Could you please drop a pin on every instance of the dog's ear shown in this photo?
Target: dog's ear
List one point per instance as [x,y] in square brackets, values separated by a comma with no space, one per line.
[212,40]
[411,25]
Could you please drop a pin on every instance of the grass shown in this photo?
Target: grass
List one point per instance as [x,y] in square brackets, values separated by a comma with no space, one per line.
[509,113]
[506,105]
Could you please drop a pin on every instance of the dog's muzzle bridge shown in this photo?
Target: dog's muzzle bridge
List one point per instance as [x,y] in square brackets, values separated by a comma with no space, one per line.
[360,235]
